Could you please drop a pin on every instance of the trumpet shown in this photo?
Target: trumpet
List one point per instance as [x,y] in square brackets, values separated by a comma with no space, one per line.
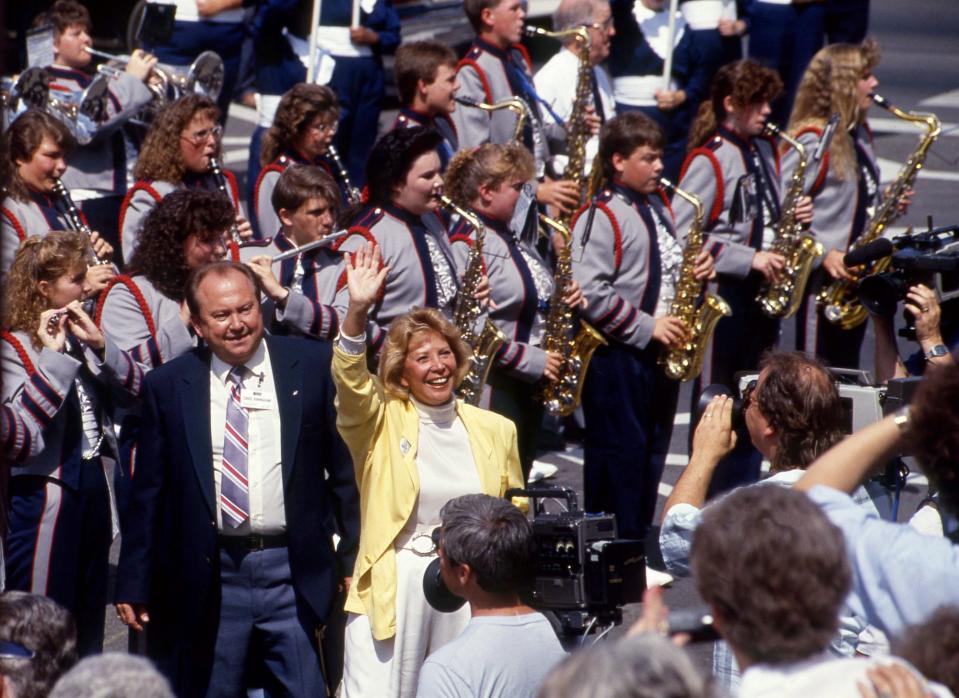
[327,241]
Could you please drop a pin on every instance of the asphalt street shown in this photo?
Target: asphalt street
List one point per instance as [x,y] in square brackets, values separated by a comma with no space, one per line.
[919,70]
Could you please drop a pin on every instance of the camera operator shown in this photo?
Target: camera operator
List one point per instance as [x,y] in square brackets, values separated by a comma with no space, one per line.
[922,303]
[900,575]
[486,551]
[773,570]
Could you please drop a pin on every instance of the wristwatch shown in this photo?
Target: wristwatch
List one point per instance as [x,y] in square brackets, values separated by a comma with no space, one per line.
[936,351]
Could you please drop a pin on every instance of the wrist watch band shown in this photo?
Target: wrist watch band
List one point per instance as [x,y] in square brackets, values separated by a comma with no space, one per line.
[936,351]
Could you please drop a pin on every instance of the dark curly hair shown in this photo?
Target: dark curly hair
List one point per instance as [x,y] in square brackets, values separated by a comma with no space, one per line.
[160,153]
[393,156]
[159,251]
[774,570]
[44,627]
[21,141]
[799,400]
[747,82]
[933,434]
[933,646]
[296,111]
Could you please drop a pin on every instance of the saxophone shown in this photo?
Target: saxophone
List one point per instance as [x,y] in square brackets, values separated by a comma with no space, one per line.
[72,214]
[781,299]
[468,311]
[562,397]
[685,362]
[577,131]
[839,300]
[515,104]
[352,193]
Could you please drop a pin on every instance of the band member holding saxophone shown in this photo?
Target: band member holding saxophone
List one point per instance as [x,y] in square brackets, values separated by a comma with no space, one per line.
[489,180]
[626,257]
[732,168]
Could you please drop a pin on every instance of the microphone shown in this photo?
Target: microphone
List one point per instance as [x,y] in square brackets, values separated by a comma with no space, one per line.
[870,252]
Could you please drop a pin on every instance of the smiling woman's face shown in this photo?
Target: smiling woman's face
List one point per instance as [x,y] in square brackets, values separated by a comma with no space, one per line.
[430,368]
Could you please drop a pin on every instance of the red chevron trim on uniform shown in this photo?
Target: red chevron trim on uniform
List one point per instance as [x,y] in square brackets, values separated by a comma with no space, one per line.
[138,296]
[234,250]
[469,62]
[28,366]
[575,218]
[525,54]
[820,180]
[717,207]
[17,227]
[772,142]
[138,186]
[368,236]
[669,206]
[275,166]
[617,235]
[234,188]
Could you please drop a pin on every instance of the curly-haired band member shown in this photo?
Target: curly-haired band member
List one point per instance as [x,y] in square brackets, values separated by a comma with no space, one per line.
[60,507]
[844,185]
[176,154]
[306,293]
[734,170]
[301,134]
[33,153]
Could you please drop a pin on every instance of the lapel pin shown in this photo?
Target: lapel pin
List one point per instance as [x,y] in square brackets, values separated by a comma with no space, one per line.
[295,393]
[405,446]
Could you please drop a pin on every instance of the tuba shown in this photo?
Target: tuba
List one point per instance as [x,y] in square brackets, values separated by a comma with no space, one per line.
[468,311]
[353,194]
[562,397]
[685,362]
[73,214]
[839,300]
[781,299]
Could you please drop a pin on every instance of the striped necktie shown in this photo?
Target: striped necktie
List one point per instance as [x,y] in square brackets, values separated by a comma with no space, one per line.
[234,487]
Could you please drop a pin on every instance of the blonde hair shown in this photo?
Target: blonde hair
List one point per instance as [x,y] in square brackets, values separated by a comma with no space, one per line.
[402,330]
[45,258]
[490,164]
[830,85]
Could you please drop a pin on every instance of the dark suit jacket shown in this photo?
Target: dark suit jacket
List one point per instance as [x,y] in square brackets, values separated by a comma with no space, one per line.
[169,558]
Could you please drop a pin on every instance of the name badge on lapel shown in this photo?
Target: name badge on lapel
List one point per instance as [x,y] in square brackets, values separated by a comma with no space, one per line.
[405,446]
[256,399]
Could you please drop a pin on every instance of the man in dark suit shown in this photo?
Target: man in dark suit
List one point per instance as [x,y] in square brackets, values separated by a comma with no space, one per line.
[227,557]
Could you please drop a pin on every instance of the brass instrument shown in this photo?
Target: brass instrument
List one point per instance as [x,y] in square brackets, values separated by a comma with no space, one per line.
[221,185]
[330,239]
[685,362]
[468,311]
[515,104]
[352,193]
[781,299]
[839,299]
[73,214]
[577,130]
[562,397]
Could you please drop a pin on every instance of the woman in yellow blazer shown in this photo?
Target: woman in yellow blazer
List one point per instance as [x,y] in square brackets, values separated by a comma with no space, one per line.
[414,447]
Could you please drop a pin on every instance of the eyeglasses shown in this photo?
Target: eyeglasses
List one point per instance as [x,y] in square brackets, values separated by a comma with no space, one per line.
[748,392]
[601,26]
[329,127]
[200,137]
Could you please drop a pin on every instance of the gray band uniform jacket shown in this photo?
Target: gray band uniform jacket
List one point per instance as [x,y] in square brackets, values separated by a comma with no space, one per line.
[318,299]
[21,219]
[144,195]
[26,417]
[101,164]
[416,277]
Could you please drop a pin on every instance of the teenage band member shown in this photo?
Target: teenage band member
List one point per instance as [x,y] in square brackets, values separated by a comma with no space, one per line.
[734,169]
[844,185]
[97,171]
[60,507]
[302,131]
[176,154]
[426,80]
[33,154]
[305,292]
[626,257]
[489,180]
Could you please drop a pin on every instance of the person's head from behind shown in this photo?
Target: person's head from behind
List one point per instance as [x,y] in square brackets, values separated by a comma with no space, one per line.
[486,548]
[423,357]
[489,179]
[773,570]
[426,76]
[596,16]
[933,647]
[38,642]
[306,199]
[48,272]
[182,140]
[224,302]
[645,666]
[305,123]
[404,170]
[184,231]
[113,675]
[933,434]
[498,21]
[630,150]
[34,154]
[739,98]
[793,413]
[72,30]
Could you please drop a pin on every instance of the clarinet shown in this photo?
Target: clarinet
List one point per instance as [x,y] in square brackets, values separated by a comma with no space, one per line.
[220,180]
[352,193]
[73,214]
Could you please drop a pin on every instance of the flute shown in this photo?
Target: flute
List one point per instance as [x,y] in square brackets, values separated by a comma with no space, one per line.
[322,242]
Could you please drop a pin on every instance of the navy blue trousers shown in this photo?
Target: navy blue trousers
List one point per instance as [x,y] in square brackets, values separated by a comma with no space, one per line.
[629,405]
[58,545]
[359,86]
[846,21]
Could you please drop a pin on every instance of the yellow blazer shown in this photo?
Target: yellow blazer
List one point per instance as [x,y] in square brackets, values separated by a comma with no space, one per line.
[382,433]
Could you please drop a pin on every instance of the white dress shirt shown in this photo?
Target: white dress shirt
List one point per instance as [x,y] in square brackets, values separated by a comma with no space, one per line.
[264,467]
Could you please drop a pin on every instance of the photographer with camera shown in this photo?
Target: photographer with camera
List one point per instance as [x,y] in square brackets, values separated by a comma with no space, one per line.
[923,304]
[486,554]
[900,576]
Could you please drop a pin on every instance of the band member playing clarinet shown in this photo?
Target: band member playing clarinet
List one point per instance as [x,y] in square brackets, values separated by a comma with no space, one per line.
[626,258]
